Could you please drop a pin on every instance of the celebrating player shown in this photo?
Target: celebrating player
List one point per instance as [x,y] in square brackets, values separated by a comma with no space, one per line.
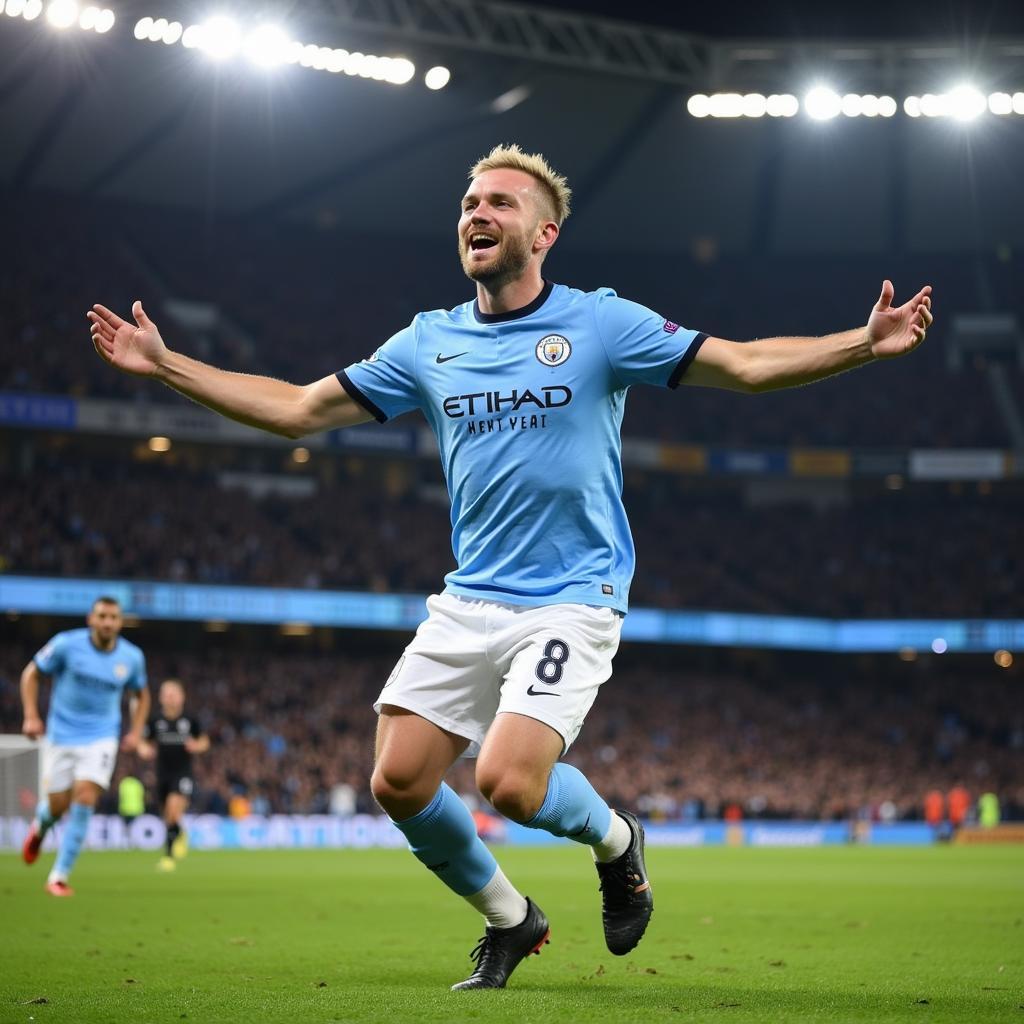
[90,668]
[172,737]
[524,388]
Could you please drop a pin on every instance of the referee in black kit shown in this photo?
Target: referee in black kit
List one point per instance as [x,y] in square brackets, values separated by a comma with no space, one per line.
[172,737]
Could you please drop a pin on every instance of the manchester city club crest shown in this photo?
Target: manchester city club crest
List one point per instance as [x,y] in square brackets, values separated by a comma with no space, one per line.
[553,350]
[121,670]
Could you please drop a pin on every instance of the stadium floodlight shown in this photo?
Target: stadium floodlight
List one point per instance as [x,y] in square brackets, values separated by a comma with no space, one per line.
[887,106]
[1000,103]
[853,105]
[1018,102]
[16,8]
[699,105]
[62,13]
[354,64]
[437,77]
[402,69]
[220,37]
[32,10]
[754,105]
[934,106]
[89,18]
[965,103]
[267,46]
[782,105]
[822,103]
[912,106]
[726,104]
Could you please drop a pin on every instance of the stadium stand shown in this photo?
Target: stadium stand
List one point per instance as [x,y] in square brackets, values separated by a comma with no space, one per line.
[952,551]
[776,740]
[300,304]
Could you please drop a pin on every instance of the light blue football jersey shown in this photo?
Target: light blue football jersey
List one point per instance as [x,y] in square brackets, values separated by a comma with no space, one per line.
[85,701]
[526,407]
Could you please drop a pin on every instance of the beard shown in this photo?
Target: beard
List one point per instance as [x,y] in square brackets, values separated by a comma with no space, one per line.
[511,262]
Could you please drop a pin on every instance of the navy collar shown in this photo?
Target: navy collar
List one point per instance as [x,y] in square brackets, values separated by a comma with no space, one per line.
[513,314]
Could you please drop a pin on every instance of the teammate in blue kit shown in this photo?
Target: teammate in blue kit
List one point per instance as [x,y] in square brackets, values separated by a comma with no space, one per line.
[524,389]
[91,668]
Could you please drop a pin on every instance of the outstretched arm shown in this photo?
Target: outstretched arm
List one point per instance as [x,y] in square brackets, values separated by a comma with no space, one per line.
[789,362]
[290,410]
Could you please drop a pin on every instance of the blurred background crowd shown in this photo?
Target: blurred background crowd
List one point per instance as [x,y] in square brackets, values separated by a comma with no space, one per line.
[831,738]
[770,738]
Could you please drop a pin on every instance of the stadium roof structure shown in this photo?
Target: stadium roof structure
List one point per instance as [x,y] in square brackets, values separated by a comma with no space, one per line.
[113,117]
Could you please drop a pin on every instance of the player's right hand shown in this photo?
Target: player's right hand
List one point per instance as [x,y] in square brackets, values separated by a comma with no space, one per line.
[134,349]
[33,727]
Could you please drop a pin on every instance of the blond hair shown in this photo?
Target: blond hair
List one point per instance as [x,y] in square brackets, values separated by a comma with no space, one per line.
[555,185]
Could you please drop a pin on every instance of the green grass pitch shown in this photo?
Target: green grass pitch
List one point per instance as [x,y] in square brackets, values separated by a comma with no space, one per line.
[837,934]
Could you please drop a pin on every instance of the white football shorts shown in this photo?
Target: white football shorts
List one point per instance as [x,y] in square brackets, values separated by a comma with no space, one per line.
[89,762]
[472,659]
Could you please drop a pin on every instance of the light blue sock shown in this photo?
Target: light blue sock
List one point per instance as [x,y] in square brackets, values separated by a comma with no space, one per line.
[71,841]
[443,836]
[572,808]
[44,815]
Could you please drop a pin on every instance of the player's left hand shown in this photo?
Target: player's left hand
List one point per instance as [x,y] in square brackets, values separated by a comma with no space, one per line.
[130,742]
[897,331]
[33,727]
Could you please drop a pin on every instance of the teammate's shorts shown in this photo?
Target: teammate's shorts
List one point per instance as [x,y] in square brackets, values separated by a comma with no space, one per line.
[472,659]
[89,762]
[183,784]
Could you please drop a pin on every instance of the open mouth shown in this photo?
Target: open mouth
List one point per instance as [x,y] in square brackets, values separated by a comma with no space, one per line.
[479,242]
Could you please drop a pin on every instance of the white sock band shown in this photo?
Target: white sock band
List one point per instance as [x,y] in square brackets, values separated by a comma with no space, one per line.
[616,842]
[500,902]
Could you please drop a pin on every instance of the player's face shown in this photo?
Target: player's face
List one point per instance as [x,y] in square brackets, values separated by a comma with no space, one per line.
[499,225]
[172,699]
[105,622]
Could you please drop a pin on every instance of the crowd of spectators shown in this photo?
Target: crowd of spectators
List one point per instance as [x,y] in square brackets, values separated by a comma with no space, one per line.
[919,552]
[303,303]
[294,734]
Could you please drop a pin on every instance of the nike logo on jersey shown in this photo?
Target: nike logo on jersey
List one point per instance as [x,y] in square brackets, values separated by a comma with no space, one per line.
[539,693]
[444,359]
